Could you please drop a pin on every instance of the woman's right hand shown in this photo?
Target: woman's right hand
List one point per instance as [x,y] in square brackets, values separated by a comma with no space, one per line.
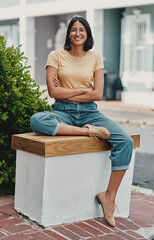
[88,89]
[56,81]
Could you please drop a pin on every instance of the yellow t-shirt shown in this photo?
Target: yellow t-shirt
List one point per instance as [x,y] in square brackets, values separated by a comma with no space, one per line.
[75,72]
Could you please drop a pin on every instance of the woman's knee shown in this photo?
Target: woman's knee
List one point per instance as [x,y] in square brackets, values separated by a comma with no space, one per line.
[44,123]
[34,120]
[38,120]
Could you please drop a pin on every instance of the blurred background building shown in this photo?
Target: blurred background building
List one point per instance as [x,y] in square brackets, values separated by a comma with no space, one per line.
[123,32]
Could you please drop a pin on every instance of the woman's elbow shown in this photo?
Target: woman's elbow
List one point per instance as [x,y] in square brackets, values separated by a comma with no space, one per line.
[98,96]
[51,94]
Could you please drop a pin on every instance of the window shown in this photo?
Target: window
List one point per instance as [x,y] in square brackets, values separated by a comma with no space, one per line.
[10,32]
[136,51]
[139,47]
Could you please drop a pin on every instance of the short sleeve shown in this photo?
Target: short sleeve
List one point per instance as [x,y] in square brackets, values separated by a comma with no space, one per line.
[52,60]
[99,62]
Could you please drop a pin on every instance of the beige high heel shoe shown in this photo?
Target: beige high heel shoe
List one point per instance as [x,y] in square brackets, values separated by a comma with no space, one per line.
[108,208]
[100,132]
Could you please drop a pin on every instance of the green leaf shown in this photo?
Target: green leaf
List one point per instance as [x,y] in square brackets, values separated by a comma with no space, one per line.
[19,100]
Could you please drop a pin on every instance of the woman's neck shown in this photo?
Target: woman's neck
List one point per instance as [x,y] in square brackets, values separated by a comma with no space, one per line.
[77,52]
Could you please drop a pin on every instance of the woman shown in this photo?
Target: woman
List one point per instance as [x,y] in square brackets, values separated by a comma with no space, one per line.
[75,80]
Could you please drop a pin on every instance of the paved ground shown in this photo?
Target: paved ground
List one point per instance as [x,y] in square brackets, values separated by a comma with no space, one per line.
[140,224]
[144,170]
[127,113]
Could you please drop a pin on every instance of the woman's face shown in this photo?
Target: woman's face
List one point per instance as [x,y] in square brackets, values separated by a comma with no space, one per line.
[78,34]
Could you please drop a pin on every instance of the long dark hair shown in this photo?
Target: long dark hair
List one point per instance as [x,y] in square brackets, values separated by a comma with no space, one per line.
[89,41]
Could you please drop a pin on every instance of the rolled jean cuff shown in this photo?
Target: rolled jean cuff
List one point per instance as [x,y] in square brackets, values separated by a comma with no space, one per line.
[118,168]
[56,129]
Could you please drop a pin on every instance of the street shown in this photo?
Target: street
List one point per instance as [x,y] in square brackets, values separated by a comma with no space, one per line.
[144,161]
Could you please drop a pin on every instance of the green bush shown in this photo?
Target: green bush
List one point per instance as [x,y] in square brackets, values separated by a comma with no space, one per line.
[19,100]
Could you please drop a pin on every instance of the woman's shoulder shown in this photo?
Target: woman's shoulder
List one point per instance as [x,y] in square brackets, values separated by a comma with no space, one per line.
[94,54]
[96,59]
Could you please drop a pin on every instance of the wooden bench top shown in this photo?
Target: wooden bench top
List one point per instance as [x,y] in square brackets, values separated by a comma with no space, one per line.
[61,145]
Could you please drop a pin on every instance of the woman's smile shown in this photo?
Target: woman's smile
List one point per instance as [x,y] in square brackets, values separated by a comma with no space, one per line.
[77,38]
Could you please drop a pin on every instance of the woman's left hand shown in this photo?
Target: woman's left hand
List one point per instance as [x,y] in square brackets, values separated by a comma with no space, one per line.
[56,82]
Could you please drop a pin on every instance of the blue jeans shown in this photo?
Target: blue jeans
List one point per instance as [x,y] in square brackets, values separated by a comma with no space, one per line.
[79,114]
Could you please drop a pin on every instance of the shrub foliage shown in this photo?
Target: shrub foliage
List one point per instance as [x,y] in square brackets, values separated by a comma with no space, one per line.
[19,100]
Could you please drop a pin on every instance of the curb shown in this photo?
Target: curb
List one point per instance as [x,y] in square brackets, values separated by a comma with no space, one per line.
[146,191]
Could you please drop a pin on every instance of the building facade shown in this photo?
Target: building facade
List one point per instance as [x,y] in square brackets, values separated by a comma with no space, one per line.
[123,33]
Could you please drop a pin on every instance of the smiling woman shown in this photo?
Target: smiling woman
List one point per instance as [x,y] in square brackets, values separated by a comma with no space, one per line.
[75,80]
[79,27]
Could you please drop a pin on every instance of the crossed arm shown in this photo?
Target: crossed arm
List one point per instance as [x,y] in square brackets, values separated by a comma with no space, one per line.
[74,94]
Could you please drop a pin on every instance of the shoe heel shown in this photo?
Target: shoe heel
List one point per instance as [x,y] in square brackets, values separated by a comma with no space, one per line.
[98,200]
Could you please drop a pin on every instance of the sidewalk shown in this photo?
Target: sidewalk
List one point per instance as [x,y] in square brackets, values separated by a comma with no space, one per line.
[140,224]
[117,105]
[127,113]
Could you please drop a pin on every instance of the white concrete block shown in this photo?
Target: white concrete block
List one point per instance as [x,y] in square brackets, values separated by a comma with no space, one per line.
[62,189]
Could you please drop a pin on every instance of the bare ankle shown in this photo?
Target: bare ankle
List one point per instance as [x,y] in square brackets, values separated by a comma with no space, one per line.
[110,196]
[86,131]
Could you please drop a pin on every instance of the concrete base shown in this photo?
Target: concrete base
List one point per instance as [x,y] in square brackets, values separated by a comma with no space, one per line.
[62,189]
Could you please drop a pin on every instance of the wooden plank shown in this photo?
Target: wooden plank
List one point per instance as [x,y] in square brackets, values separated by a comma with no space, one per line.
[62,145]
[136,139]
[24,142]
[76,146]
